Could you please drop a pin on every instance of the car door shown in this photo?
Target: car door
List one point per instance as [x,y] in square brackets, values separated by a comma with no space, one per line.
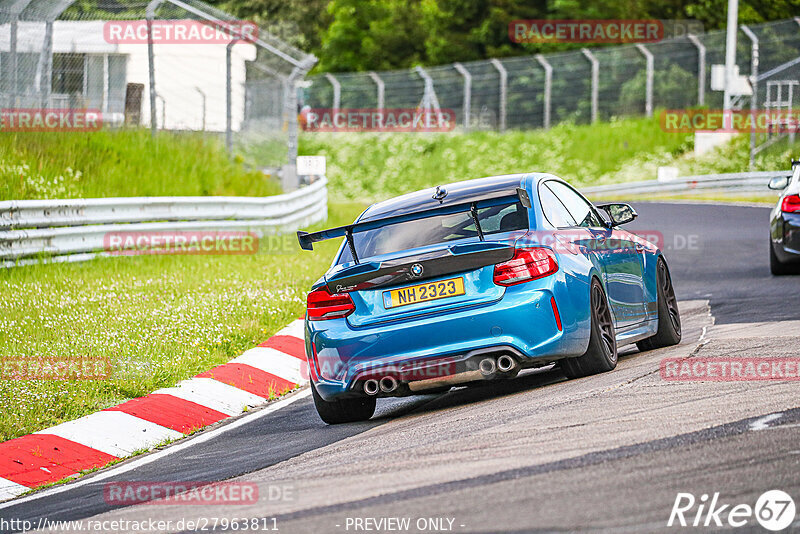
[621,260]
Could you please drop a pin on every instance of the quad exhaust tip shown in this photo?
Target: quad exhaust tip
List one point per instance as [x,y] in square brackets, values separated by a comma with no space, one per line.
[487,366]
[371,387]
[388,384]
[506,363]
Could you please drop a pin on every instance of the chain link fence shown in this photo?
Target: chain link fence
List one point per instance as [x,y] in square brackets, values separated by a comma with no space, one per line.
[578,85]
[178,65]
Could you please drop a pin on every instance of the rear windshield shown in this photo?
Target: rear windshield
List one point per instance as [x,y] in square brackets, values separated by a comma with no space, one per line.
[433,230]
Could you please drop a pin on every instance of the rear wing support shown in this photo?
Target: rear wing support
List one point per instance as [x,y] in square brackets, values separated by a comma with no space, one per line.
[499,198]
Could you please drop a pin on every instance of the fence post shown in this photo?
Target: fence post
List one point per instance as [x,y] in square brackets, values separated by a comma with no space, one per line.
[203,97]
[337,91]
[381,87]
[467,101]
[754,84]
[701,69]
[46,80]
[648,100]
[150,15]
[429,99]
[595,80]
[13,55]
[229,97]
[503,85]
[290,179]
[548,87]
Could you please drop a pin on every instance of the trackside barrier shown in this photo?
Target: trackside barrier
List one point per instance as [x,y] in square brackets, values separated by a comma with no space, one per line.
[74,229]
[731,182]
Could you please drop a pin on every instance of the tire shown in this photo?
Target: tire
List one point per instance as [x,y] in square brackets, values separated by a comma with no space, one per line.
[780,269]
[669,317]
[345,410]
[601,355]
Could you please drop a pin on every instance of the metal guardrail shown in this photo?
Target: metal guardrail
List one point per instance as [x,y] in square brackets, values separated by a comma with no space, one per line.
[738,181]
[74,230]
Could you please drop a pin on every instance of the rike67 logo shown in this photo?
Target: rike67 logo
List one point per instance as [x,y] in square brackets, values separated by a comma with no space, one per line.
[774,510]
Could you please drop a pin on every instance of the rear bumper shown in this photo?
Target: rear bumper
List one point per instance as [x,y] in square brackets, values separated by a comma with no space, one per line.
[521,323]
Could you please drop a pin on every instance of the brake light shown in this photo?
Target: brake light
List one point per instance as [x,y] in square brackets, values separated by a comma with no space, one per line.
[791,204]
[323,306]
[526,265]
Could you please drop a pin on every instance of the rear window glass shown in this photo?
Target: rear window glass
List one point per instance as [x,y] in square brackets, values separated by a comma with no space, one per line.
[433,230]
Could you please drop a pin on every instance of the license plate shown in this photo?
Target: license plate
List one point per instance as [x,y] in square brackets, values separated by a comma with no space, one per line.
[442,289]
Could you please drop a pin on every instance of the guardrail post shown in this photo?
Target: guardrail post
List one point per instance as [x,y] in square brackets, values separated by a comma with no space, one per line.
[754,84]
[467,100]
[503,85]
[595,80]
[701,69]
[548,86]
[381,88]
[337,91]
[648,100]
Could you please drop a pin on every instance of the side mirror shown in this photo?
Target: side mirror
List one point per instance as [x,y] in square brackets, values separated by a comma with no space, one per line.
[619,213]
[778,182]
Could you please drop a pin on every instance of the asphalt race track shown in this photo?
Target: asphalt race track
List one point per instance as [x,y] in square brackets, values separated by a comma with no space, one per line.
[606,453]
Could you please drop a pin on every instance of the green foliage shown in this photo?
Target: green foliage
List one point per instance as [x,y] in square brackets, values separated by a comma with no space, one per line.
[122,163]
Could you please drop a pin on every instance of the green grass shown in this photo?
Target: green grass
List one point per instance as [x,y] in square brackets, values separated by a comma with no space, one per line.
[127,162]
[157,319]
[375,166]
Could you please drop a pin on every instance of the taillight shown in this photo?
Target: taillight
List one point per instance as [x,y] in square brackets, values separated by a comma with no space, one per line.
[322,305]
[526,265]
[791,204]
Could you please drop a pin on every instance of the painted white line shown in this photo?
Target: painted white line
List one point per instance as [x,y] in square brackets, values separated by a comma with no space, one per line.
[113,432]
[10,489]
[295,329]
[273,361]
[763,422]
[150,458]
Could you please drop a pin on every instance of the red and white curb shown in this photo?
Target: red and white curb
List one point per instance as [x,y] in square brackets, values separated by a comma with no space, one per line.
[52,454]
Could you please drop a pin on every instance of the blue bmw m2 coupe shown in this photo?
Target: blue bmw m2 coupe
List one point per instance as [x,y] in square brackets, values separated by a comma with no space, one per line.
[475,281]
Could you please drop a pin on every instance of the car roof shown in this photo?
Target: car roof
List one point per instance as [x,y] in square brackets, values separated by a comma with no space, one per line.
[457,193]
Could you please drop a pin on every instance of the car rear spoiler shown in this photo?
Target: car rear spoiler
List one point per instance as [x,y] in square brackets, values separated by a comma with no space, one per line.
[498,198]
